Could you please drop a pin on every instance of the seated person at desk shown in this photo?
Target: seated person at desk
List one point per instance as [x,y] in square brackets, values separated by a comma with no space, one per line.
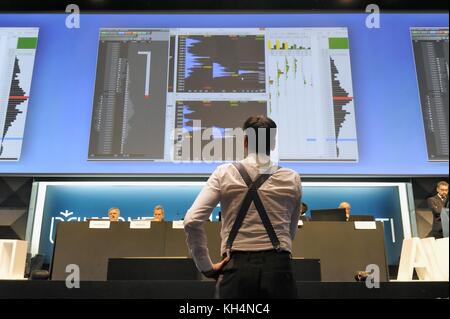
[436,203]
[158,214]
[113,214]
[303,210]
[347,208]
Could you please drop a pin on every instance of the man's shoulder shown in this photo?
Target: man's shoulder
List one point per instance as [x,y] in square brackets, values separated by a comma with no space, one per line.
[284,171]
[221,169]
[434,197]
[288,171]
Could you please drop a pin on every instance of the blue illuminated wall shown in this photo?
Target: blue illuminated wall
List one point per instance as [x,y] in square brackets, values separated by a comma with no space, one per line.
[388,115]
[138,201]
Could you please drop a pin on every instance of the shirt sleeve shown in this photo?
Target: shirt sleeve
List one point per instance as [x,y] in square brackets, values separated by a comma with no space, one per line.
[200,211]
[296,213]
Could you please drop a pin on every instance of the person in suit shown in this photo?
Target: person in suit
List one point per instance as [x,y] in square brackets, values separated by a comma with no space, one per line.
[436,203]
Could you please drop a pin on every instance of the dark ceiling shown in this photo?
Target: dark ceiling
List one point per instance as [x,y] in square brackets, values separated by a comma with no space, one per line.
[222,5]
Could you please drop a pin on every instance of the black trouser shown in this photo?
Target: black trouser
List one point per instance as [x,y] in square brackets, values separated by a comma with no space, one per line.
[264,274]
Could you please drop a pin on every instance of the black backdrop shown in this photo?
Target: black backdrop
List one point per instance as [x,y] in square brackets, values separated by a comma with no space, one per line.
[224,5]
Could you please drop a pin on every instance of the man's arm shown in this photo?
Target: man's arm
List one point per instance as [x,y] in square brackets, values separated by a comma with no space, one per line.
[296,214]
[200,211]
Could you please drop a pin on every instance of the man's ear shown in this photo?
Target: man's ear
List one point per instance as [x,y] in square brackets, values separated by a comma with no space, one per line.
[272,148]
[273,139]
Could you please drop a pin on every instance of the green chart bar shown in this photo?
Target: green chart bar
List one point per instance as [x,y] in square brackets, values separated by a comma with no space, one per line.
[338,43]
[27,43]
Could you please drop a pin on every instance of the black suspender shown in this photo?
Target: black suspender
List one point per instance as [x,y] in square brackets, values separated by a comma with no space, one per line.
[252,196]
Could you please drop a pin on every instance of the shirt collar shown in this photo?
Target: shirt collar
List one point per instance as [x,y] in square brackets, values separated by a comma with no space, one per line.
[262,162]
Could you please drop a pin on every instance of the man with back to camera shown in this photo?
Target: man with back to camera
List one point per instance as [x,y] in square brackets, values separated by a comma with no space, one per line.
[113,214]
[259,221]
[436,203]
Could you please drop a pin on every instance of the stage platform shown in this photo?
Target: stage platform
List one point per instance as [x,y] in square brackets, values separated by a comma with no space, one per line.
[195,289]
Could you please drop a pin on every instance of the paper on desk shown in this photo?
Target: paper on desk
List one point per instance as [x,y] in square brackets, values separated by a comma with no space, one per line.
[140,224]
[365,225]
[177,224]
[99,224]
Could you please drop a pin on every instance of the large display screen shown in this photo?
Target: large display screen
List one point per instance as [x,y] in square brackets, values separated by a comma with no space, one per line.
[120,87]
[431,56]
[17,52]
[221,77]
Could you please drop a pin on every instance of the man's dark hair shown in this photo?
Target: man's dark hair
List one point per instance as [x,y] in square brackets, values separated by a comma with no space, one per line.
[256,123]
[442,183]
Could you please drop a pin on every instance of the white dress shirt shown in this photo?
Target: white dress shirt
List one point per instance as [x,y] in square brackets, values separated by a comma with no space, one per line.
[280,195]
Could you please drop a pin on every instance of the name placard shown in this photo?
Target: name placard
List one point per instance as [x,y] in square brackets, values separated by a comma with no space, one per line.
[365,225]
[177,224]
[140,224]
[99,224]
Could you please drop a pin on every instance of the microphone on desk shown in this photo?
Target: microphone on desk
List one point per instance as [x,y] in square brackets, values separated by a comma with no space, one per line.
[361,275]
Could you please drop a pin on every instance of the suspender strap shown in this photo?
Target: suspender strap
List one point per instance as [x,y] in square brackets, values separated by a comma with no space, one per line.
[252,196]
